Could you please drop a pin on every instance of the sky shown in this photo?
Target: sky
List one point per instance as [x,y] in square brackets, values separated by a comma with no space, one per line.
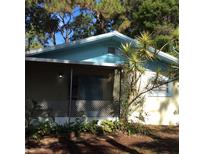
[59,38]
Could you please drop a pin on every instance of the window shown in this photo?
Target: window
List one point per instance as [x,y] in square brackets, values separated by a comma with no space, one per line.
[111,50]
[95,88]
[164,90]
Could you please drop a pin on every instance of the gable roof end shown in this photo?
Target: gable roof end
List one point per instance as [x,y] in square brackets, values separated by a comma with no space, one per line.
[114,34]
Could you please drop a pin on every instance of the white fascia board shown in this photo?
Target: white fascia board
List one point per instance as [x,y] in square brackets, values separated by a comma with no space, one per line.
[124,37]
[71,62]
[164,56]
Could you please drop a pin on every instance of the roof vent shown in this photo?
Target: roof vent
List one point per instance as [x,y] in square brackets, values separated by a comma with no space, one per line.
[111,50]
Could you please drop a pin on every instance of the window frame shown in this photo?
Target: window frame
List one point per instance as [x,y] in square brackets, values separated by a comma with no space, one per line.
[157,92]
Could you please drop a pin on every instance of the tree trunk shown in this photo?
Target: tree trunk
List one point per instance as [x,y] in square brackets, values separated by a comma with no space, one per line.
[53,38]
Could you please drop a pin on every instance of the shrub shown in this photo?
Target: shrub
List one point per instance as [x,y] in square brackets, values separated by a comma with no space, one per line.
[134,128]
[64,129]
[127,127]
[106,126]
[44,128]
[109,126]
[33,110]
[142,129]
[91,127]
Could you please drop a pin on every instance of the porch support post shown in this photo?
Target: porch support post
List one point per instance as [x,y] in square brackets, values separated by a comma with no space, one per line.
[120,92]
[70,98]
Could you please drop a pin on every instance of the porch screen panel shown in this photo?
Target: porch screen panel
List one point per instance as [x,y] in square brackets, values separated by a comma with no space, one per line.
[44,87]
[94,93]
[95,88]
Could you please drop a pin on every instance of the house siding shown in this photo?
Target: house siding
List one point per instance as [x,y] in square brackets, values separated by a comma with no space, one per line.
[159,109]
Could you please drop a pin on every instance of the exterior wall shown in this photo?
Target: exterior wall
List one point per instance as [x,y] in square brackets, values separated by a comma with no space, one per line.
[160,109]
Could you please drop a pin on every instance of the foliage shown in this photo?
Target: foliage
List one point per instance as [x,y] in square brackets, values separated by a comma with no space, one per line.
[92,127]
[42,129]
[70,19]
[82,27]
[156,12]
[46,128]
[76,19]
[171,40]
[33,110]
[40,24]
[134,128]
[64,129]
[55,6]
[102,12]
[109,126]
[159,17]
[105,127]
[133,86]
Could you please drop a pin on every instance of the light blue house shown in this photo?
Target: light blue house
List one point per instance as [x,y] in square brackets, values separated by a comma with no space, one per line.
[82,77]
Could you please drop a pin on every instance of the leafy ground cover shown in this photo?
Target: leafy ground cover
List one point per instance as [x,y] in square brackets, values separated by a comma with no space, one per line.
[161,139]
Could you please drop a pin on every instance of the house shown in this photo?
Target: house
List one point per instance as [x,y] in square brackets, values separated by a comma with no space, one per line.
[83,77]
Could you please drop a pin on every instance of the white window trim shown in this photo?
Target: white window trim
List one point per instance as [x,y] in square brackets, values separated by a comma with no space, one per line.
[168,93]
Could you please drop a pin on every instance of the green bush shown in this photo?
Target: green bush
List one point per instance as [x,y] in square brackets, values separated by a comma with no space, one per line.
[64,129]
[44,128]
[109,126]
[134,128]
[91,127]
[106,126]
[142,129]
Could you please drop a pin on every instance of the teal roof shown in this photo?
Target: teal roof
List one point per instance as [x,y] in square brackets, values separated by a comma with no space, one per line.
[92,50]
[109,58]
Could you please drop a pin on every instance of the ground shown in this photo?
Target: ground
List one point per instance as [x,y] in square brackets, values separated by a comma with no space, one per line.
[163,140]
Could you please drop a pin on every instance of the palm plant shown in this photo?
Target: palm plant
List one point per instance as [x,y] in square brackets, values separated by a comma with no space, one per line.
[133,86]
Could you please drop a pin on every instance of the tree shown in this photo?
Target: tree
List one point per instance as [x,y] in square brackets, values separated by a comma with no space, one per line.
[77,19]
[133,86]
[40,25]
[103,13]
[46,19]
[82,27]
[159,17]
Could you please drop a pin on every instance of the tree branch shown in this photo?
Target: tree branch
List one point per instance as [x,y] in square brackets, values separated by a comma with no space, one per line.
[154,86]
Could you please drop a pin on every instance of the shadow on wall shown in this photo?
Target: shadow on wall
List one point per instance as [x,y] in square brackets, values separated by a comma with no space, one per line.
[164,106]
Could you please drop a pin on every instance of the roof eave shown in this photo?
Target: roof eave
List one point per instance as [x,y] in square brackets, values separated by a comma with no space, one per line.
[34,59]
